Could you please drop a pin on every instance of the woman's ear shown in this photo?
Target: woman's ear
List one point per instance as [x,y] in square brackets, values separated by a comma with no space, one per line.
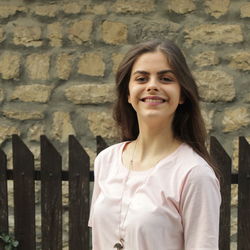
[129,101]
[182,99]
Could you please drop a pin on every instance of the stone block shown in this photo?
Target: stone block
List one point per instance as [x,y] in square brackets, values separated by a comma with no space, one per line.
[54,33]
[97,9]
[101,123]
[80,31]
[2,35]
[23,115]
[37,66]
[62,126]
[32,93]
[28,36]
[181,6]
[71,8]
[7,131]
[206,58]
[90,93]
[35,131]
[91,64]
[10,65]
[114,32]
[133,7]
[7,10]
[235,118]
[245,10]
[63,66]
[217,8]
[240,60]
[116,59]
[214,34]
[215,86]
[50,10]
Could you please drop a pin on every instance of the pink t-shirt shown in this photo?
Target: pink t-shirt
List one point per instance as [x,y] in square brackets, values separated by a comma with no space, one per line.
[173,206]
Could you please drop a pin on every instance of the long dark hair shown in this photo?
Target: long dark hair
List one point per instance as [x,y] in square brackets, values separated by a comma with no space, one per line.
[188,125]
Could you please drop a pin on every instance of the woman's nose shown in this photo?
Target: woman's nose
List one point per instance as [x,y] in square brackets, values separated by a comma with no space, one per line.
[152,85]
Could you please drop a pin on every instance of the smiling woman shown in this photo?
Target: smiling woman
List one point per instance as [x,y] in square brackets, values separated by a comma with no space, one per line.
[158,188]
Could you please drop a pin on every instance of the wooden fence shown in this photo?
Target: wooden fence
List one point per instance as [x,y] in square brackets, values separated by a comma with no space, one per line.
[78,177]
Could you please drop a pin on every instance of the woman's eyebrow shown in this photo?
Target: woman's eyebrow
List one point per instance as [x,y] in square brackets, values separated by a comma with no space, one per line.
[158,73]
[165,71]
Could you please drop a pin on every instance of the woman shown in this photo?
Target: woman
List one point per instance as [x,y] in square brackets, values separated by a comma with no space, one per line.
[156,190]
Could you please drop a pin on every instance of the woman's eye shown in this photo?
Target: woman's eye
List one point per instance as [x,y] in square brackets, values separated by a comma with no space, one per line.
[140,79]
[166,79]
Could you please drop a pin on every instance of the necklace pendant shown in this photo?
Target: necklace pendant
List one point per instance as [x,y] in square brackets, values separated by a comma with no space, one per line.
[119,245]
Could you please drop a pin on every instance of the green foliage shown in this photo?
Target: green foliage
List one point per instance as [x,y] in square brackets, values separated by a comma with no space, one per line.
[9,241]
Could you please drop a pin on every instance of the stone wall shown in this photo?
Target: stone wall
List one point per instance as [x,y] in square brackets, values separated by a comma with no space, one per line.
[58,58]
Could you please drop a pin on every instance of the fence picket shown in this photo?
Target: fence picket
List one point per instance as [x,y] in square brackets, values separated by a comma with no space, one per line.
[78,196]
[51,196]
[224,164]
[24,194]
[244,195]
[4,225]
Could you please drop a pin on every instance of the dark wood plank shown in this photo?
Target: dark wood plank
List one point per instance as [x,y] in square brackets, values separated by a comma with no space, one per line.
[51,196]
[4,225]
[24,194]
[244,195]
[78,196]
[100,144]
[224,164]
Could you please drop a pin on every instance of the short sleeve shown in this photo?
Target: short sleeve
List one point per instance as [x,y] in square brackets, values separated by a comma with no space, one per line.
[96,190]
[200,209]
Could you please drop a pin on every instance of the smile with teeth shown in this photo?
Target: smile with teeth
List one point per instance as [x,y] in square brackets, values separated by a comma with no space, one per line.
[153,100]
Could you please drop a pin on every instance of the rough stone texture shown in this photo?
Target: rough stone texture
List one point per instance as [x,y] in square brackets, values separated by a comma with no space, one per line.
[206,58]
[91,64]
[7,10]
[55,34]
[35,131]
[181,6]
[116,58]
[71,8]
[247,98]
[63,66]
[62,126]
[37,66]
[32,93]
[2,35]
[90,93]
[7,131]
[46,10]
[208,119]
[241,60]
[27,36]
[217,8]
[101,123]
[235,118]
[1,95]
[23,115]
[130,6]
[114,32]
[80,31]
[214,33]
[97,9]
[245,10]
[10,65]
[215,86]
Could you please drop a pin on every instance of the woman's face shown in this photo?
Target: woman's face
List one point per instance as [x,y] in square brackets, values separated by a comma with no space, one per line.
[153,89]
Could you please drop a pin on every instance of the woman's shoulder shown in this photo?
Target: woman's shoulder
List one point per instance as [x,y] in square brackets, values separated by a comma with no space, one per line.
[110,153]
[193,163]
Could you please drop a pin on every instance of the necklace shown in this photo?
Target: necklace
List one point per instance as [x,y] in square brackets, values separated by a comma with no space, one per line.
[120,244]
